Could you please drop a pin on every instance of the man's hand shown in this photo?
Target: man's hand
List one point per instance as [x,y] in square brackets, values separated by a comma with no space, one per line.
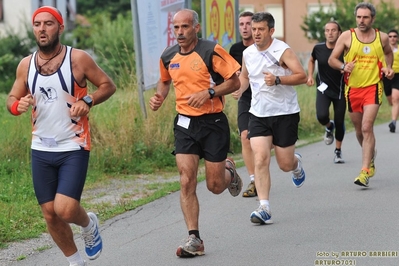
[24,103]
[349,67]
[310,81]
[388,72]
[270,79]
[198,99]
[237,94]
[156,101]
[79,108]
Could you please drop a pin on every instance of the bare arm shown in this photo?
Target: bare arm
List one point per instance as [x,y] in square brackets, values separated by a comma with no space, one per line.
[163,88]
[388,71]
[338,50]
[244,81]
[85,68]
[19,91]
[387,49]
[311,64]
[230,85]
[291,61]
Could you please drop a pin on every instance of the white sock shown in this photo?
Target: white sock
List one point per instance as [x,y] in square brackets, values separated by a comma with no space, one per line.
[89,226]
[298,168]
[252,178]
[75,259]
[265,203]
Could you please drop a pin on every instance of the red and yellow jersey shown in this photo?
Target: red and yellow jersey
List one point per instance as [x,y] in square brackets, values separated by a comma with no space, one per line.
[206,66]
[370,59]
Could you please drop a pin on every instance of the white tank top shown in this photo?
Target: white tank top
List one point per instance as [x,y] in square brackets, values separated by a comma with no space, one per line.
[53,129]
[269,100]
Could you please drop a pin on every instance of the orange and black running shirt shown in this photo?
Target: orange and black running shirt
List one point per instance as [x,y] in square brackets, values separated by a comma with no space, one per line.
[204,67]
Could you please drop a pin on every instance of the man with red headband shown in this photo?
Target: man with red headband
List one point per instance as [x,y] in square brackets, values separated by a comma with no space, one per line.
[53,80]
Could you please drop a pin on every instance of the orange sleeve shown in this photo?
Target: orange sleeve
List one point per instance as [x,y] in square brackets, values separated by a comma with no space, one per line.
[164,72]
[224,63]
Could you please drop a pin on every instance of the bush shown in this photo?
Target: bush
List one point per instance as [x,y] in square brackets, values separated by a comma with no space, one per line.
[387,17]
[111,42]
[12,49]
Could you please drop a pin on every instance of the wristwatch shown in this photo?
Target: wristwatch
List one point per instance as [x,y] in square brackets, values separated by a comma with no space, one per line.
[88,100]
[343,66]
[278,81]
[211,93]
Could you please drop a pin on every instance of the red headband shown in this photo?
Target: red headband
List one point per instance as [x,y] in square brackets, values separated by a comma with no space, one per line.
[50,10]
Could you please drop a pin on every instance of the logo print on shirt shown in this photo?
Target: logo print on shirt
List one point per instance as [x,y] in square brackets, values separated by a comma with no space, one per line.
[49,94]
[174,66]
[196,65]
[366,49]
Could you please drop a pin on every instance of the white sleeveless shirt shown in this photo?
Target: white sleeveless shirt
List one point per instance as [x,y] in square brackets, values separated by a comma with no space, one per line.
[53,129]
[269,100]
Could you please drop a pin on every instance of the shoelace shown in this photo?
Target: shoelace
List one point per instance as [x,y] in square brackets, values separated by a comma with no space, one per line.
[298,175]
[190,241]
[233,176]
[89,237]
[263,209]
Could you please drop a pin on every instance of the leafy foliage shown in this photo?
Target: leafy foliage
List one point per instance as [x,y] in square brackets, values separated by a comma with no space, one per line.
[111,41]
[12,49]
[342,11]
[114,8]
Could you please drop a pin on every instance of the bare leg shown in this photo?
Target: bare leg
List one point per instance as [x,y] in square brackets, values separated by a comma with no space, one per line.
[58,215]
[356,119]
[389,98]
[286,159]
[364,126]
[188,168]
[368,145]
[261,147]
[395,104]
[247,153]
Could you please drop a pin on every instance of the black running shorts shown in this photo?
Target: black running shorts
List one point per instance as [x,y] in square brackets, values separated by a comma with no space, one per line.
[244,104]
[208,136]
[283,128]
[390,84]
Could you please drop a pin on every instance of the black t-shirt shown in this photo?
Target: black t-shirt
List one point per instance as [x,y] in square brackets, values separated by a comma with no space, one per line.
[236,51]
[333,78]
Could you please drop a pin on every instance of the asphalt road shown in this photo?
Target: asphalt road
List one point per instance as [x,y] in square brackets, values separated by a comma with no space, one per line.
[328,221]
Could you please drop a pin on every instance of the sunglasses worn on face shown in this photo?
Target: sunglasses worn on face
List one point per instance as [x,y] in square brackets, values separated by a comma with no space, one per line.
[392,36]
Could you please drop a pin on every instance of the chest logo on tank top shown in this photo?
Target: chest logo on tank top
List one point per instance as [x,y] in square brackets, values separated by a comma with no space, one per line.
[49,94]
[366,49]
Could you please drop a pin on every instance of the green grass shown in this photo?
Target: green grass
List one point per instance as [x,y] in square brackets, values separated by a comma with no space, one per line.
[126,145]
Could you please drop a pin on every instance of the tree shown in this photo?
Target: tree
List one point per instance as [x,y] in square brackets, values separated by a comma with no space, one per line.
[13,47]
[114,8]
[342,11]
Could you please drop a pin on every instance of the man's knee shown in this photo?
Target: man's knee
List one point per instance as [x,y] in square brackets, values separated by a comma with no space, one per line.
[66,209]
[215,187]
